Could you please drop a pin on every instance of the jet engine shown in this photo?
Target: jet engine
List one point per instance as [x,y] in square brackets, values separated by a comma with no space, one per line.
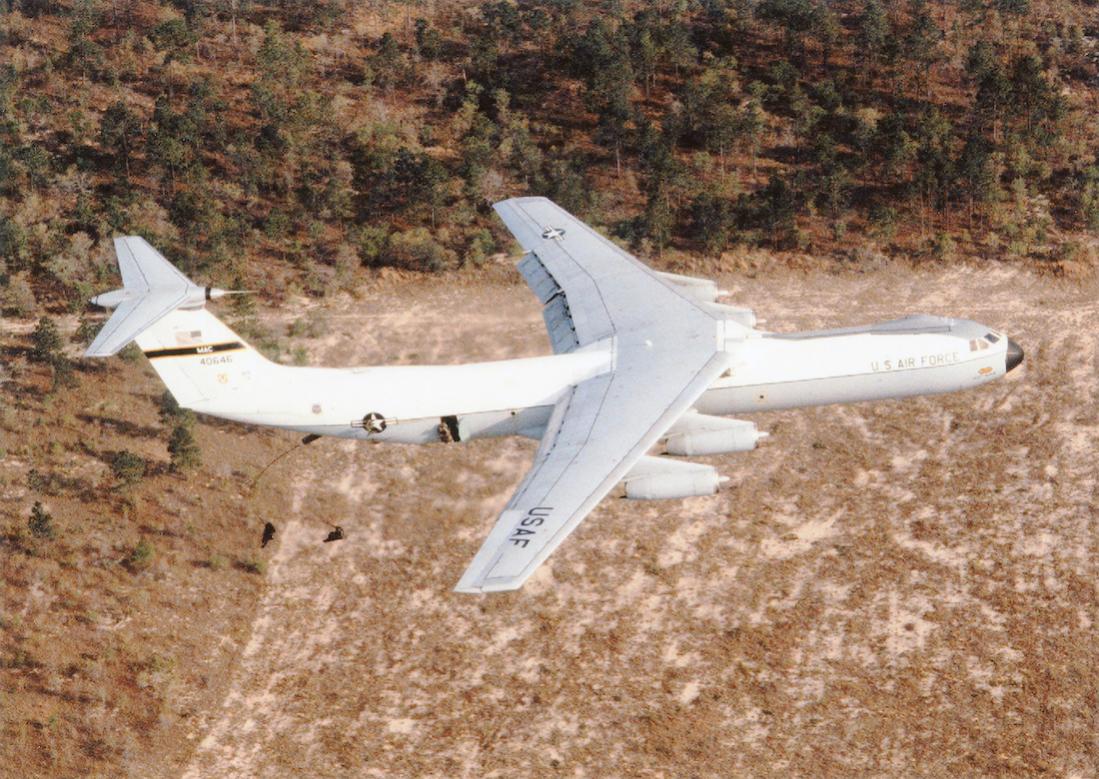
[657,478]
[698,434]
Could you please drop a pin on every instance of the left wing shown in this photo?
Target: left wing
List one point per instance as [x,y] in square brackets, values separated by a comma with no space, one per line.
[667,349]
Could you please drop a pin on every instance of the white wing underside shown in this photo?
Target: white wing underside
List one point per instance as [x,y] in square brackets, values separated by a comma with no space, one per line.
[665,354]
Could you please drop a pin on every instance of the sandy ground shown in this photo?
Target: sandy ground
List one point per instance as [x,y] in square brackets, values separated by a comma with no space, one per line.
[893,589]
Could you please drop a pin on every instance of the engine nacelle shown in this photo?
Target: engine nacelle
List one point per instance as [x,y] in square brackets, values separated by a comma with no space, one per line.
[703,435]
[660,486]
[658,478]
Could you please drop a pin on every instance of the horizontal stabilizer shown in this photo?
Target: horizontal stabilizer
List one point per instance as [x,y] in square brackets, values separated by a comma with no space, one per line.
[131,318]
[151,289]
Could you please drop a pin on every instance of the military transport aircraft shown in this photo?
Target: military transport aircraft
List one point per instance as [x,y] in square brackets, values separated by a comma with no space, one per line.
[642,359]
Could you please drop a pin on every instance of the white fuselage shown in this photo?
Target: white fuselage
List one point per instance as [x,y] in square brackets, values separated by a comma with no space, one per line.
[424,404]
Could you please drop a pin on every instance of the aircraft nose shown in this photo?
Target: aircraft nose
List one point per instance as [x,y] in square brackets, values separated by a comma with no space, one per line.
[1014,355]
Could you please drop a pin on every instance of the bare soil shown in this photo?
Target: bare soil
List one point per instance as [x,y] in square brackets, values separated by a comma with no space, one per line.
[892,589]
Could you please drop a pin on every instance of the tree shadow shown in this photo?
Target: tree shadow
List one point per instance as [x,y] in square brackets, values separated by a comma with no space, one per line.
[121,426]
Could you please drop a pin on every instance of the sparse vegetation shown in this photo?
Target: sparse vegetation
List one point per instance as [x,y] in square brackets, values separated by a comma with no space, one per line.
[319,147]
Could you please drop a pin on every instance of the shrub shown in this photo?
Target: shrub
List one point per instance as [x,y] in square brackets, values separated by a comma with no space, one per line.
[415,249]
[128,468]
[255,566]
[41,522]
[141,557]
[183,449]
[171,413]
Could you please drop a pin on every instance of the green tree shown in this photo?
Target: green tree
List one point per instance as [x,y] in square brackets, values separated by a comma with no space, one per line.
[182,448]
[778,210]
[978,173]
[709,108]
[119,131]
[1089,198]
[428,41]
[603,62]
[84,53]
[796,17]
[713,220]
[920,45]
[388,63]
[1032,95]
[935,170]
[46,342]
[873,33]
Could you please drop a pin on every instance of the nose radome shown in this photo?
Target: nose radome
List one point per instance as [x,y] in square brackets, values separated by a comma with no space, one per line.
[1014,355]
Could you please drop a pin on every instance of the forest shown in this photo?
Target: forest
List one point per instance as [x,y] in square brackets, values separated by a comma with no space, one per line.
[295,147]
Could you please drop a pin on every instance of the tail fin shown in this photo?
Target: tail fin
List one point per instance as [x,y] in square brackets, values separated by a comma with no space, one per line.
[151,289]
[204,364]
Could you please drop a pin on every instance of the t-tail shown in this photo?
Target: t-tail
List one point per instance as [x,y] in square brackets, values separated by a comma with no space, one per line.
[200,359]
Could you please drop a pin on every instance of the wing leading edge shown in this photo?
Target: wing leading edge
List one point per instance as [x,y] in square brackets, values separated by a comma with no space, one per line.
[666,353]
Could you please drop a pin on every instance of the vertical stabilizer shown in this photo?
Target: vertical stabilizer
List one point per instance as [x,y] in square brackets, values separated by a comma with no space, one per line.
[204,364]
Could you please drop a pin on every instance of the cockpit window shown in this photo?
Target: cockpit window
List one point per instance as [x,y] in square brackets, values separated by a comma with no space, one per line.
[992,337]
[977,344]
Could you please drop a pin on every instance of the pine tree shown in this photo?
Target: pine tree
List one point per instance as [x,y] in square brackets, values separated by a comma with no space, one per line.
[118,133]
[46,341]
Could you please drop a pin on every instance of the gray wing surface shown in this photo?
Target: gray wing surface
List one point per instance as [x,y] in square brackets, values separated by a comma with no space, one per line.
[132,317]
[665,356]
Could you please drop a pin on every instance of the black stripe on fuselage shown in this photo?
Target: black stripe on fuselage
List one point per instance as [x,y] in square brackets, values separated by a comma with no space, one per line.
[185,351]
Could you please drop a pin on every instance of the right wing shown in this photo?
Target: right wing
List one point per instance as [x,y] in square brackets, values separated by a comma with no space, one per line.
[666,351]
[131,317]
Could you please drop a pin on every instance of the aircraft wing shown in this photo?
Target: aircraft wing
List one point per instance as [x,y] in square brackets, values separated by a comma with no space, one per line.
[666,352]
[133,316]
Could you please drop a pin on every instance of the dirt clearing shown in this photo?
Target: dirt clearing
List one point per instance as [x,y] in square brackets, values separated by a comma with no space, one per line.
[893,589]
